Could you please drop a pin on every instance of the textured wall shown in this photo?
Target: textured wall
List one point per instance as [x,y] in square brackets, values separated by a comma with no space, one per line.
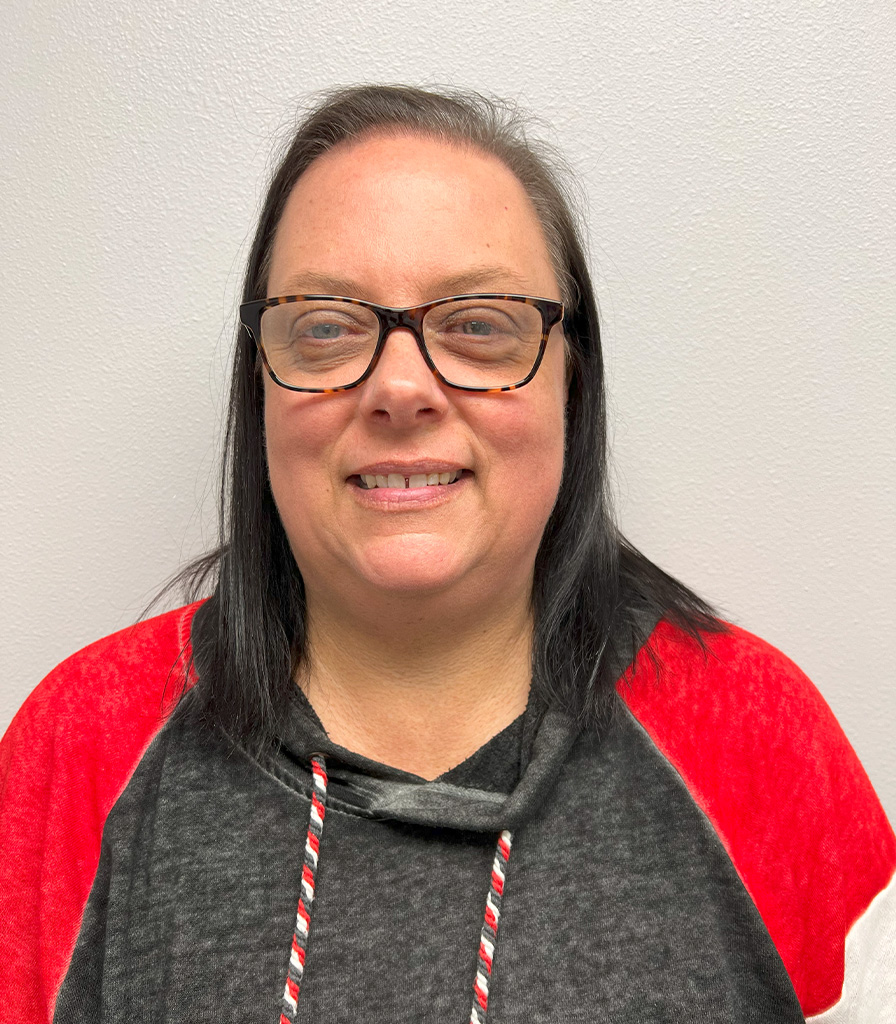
[738,162]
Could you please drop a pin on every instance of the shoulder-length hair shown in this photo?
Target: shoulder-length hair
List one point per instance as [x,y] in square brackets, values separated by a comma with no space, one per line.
[592,592]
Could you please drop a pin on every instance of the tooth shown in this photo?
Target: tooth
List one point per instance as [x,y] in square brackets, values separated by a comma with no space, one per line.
[417,480]
[369,481]
[433,478]
[381,481]
[456,475]
[395,480]
[444,478]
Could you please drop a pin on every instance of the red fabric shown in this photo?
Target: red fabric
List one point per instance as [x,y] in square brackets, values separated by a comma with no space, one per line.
[64,760]
[752,739]
[764,757]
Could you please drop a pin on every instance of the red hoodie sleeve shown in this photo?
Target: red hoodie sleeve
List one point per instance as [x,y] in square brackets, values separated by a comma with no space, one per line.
[64,761]
[767,762]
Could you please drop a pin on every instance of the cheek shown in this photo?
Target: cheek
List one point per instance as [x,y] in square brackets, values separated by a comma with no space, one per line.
[545,470]
[529,463]
[299,432]
[286,444]
[546,435]
[300,428]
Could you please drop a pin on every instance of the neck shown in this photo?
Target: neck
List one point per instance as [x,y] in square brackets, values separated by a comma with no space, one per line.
[425,694]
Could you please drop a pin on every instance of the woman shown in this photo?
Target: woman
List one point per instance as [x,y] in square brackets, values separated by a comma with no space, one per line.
[505,767]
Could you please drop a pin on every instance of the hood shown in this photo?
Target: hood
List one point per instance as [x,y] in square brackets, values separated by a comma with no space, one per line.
[502,785]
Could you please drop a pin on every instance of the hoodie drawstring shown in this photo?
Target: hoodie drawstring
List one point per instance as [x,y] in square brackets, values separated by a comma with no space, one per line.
[488,938]
[306,896]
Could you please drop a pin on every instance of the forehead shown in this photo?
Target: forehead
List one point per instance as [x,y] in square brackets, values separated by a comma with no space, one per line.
[402,214]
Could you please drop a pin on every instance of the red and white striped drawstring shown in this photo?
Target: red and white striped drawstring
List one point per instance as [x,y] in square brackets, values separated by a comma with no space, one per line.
[487,940]
[306,896]
[489,936]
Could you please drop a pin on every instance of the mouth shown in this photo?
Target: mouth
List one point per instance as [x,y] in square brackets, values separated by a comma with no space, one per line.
[409,481]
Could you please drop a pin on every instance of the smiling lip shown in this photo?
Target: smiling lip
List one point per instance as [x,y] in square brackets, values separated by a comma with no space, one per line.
[412,482]
[398,476]
[402,484]
[407,469]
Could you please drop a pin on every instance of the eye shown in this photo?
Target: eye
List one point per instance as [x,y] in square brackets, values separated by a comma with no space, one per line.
[479,321]
[325,332]
[477,327]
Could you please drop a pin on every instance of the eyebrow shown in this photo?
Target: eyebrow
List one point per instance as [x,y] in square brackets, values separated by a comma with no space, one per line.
[492,278]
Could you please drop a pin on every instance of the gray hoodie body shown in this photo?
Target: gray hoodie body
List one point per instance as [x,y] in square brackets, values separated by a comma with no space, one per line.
[620,903]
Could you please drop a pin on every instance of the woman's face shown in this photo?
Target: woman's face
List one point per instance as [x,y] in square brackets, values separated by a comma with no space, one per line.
[400,221]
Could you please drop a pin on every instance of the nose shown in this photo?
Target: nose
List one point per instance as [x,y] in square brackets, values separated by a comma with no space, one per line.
[401,389]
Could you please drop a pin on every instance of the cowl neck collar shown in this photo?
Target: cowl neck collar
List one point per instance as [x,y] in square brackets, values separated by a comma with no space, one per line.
[500,786]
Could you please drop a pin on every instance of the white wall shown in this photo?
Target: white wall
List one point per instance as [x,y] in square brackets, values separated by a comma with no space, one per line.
[739,162]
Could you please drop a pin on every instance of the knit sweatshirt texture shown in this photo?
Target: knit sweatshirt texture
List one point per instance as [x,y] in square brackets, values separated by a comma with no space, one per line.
[704,858]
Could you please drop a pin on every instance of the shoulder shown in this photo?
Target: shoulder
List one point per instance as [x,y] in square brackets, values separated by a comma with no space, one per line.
[110,672]
[733,654]
[82,730]
[738,718]
[763,756]
[64,761]
[111,691]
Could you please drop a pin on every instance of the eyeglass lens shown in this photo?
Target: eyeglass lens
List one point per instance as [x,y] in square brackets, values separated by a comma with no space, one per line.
[473,342]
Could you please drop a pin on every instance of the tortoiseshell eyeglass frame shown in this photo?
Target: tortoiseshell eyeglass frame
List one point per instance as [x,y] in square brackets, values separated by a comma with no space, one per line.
[390,318]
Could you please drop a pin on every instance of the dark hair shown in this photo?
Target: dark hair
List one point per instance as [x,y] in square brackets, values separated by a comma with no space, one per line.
[593,592]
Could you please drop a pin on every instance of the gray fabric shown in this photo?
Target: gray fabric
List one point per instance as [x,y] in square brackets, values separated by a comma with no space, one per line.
[620,904]
[373,790]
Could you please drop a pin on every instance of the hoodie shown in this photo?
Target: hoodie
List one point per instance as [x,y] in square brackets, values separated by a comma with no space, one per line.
[704,858]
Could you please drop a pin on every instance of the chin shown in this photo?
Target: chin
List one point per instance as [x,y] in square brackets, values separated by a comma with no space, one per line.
[412,563]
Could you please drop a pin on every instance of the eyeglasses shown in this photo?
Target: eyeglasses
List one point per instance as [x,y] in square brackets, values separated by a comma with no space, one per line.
[328,343]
